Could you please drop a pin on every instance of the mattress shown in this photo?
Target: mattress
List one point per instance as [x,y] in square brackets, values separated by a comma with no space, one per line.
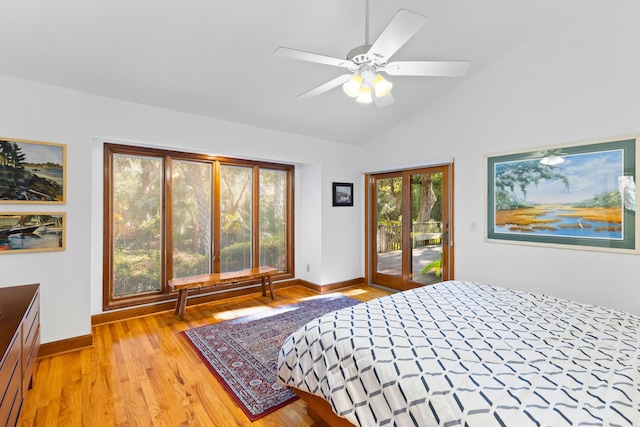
[464,353]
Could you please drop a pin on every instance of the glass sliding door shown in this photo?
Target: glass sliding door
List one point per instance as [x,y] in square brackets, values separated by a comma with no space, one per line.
[388,230]
[426,232]
[410,228]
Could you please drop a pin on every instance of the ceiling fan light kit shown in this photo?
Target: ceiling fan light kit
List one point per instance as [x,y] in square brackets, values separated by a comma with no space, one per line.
[364,96]
[352,87]
[360,84]
[381,85]
[367,62]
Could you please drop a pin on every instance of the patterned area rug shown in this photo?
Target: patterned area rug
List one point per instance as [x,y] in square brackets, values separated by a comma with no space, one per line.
[243,353]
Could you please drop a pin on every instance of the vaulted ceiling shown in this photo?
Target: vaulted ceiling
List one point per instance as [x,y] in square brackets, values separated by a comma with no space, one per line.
[215,58]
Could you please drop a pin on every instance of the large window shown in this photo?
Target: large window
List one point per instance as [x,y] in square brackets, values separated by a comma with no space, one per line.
[191,212]
[235,217]
[273,214]
[137,225]
[170,214]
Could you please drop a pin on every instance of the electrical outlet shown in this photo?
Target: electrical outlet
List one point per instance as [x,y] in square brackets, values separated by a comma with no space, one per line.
[308,268]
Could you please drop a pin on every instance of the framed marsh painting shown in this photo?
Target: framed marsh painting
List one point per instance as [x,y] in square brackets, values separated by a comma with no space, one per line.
[579,196]
[32,232]
[32,172]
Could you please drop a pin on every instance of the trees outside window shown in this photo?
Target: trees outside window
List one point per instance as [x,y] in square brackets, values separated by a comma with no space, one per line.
[137,225]
[273,214]
[191,217]
[170,215]
[235,218]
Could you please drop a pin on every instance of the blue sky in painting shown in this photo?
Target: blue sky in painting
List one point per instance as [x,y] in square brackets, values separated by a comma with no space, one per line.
[589,174]
[41,153]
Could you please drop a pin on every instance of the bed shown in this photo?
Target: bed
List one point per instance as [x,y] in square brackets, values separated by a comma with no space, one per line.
[468,354]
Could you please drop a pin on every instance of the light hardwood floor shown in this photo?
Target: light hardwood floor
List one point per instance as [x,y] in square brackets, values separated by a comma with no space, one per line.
[141,372]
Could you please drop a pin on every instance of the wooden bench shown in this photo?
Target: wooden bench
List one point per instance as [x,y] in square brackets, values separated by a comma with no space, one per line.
[426,232]
[182,285]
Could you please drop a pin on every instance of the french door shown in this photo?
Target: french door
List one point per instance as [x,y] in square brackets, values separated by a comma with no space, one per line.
[410,227]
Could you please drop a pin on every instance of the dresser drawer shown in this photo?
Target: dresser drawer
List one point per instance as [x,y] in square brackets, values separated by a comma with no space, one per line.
[31,320]
[10,376]
[31,341]
[29,355]
[19,344]
[10,362]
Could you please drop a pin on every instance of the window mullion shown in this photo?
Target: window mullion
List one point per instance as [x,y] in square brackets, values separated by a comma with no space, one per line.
[167,241]
[216,227]
[255,210]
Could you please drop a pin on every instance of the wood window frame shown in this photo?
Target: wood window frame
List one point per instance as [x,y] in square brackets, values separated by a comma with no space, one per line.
[110,302]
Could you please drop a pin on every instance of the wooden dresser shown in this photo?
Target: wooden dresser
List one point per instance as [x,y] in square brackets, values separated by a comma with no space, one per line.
[19,344]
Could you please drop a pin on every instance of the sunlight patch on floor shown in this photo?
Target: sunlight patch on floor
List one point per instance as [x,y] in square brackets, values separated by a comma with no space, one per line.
[325,296]
[232,314]
[352,292]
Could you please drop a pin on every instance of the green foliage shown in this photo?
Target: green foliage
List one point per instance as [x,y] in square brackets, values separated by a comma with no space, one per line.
[390,222]
[238,256]
[416,197]
[136,271]
[272,251]
[523,173]
[607,199]
[507,201]
[139,219]
[190,263]
[11,154]
[437,265]
[389,197]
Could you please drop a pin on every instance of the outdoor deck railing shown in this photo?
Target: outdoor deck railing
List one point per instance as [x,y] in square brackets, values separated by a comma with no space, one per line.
[390,236]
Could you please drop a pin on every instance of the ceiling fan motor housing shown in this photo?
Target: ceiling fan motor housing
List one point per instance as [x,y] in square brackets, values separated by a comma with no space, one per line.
[360,56]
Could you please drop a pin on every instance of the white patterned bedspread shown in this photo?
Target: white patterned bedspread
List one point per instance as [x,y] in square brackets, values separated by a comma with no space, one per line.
[467,354]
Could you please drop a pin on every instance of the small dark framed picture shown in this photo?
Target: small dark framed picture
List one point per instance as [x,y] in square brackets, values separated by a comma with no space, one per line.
[342,194]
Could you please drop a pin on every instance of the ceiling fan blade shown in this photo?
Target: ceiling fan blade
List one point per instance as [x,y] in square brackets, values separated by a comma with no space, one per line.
[301,55]
[427,68]
[384,100]
[402,27]
[326,86]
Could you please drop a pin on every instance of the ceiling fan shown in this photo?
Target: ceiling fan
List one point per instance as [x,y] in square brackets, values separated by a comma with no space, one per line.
[366,63]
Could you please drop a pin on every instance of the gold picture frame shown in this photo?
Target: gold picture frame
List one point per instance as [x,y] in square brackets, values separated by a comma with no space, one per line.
[32,232]
[32,172]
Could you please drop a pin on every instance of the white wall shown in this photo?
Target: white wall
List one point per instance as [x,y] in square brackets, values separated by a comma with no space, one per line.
[71,280]
[574,83]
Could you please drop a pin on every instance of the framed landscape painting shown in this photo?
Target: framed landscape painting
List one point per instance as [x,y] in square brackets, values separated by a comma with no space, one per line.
[32,232]
[32,172]
[342,194]
[580,196]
